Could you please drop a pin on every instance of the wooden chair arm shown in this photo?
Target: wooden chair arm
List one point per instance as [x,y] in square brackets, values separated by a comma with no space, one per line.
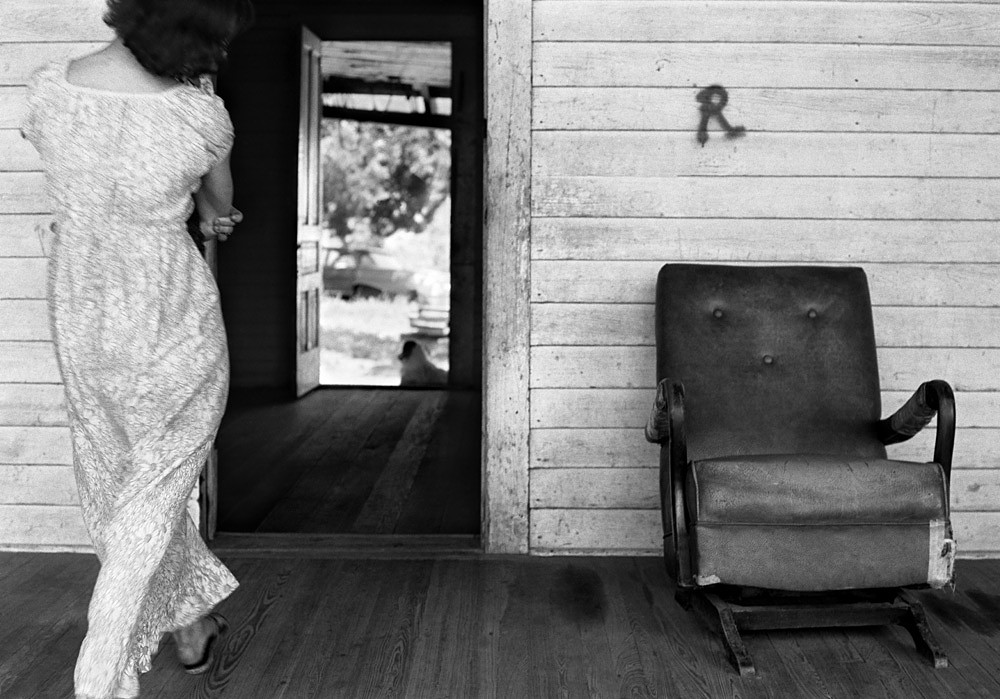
[666,428]
[930,399]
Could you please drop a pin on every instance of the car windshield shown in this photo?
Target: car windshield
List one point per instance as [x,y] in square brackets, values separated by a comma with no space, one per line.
[380,261]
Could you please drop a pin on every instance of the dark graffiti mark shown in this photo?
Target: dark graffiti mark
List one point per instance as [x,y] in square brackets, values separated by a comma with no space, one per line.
[713,100]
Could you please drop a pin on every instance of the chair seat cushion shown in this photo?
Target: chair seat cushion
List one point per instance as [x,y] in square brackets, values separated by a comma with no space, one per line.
[817,522]
[814,489]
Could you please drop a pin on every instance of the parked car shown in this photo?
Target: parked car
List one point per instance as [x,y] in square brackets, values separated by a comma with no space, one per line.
[365,273]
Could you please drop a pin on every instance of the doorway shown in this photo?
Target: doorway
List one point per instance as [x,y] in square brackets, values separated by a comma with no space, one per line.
[385,145]
[349,457]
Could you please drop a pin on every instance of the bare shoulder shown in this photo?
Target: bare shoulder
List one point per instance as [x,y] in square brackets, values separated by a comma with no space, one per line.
[110,69]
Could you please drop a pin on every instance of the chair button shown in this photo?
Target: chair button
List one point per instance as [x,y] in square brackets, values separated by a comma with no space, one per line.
[768,359]
[812,313]
[717,313]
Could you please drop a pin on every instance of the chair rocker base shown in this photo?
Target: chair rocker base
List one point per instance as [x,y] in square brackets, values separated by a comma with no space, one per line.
[736,610]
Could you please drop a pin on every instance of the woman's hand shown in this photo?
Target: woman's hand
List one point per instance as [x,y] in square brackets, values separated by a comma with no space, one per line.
[221,227]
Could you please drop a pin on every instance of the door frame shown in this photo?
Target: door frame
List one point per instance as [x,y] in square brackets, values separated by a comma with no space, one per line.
[506,276]
[506,226]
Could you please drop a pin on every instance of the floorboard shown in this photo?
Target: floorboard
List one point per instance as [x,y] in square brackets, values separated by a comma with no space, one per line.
[445,495]
[351,460]
[491,627]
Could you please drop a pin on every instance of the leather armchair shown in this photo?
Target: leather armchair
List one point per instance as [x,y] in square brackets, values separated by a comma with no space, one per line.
[774,480]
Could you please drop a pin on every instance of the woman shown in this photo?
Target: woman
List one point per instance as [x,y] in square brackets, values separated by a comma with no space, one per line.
[127,136]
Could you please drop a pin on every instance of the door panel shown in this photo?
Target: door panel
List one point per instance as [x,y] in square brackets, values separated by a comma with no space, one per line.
[310,279]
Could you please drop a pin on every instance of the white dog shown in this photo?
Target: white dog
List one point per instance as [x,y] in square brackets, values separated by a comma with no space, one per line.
[417,370]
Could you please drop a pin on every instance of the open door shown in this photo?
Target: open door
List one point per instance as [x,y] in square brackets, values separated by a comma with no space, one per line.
[203,505]
[310,281]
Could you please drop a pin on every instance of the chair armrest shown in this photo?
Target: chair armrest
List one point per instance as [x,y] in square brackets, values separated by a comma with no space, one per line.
[666,420]
[666,428]
[658,425]
[932,398]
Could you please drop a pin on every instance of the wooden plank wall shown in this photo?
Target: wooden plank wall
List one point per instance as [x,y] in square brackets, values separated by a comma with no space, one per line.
[38,497]
[873,138]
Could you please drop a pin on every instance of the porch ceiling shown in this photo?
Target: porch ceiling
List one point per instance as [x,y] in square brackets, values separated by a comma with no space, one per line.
[389,66]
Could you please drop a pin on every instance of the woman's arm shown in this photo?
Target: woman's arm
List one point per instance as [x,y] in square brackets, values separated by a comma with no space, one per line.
[214,200]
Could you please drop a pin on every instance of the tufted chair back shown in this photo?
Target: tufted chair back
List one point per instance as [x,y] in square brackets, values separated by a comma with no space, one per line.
[762,351]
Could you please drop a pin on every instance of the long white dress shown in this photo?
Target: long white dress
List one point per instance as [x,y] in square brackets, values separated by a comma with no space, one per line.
[142,349]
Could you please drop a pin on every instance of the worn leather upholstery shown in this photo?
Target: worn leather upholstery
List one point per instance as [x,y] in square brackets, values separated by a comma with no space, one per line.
[841,520]
[787,484]
[776,360]
[814,489]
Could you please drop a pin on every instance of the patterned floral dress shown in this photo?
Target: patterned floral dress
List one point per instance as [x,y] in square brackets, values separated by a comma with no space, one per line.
[142,350]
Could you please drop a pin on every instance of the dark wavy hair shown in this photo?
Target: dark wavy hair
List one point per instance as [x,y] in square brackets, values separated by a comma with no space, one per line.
[180,39]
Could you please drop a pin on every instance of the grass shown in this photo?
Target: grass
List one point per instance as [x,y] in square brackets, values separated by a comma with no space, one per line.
[360,340]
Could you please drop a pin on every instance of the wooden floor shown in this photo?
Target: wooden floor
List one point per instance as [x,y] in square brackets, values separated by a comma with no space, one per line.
[358,461]
[492,627]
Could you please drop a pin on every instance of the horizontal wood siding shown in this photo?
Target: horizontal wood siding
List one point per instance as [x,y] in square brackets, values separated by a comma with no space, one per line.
[39,509]
[872,139]
[785,110]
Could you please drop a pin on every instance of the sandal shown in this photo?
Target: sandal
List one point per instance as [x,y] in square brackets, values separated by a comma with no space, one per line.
[201,665]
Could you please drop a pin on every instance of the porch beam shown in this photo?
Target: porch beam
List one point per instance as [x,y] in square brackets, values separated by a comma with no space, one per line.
[506,284]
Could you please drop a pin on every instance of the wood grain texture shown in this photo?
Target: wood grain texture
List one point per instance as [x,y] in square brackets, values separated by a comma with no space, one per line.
[446,496]
[861,149]
[308,435]
[633,324]
[23,192]
[28,362]
[640,531]
[23,236]
[54,21]
[22,278]
[768,197]
[673,154]
[586,627]
[767,22]
[16,153]
[329,496]
[50,526]
[606,64]
[506,320]
[606,447]
[768,109]
[629,407]
[973,285]
[900,369]
[31,405]
[346,460]
[37,485]
[630,532]
[24,320]
[35,445]
[763,240]
[975,490]
[19,60]
[595,488]
[385,503]
[13,107]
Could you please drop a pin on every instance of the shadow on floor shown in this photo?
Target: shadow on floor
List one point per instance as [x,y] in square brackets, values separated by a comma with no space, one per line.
[351,460]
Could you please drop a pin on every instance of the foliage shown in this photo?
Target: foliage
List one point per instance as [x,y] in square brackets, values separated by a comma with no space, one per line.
[381,178]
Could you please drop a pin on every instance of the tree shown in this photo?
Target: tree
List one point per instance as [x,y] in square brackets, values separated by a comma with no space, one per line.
[381,178]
